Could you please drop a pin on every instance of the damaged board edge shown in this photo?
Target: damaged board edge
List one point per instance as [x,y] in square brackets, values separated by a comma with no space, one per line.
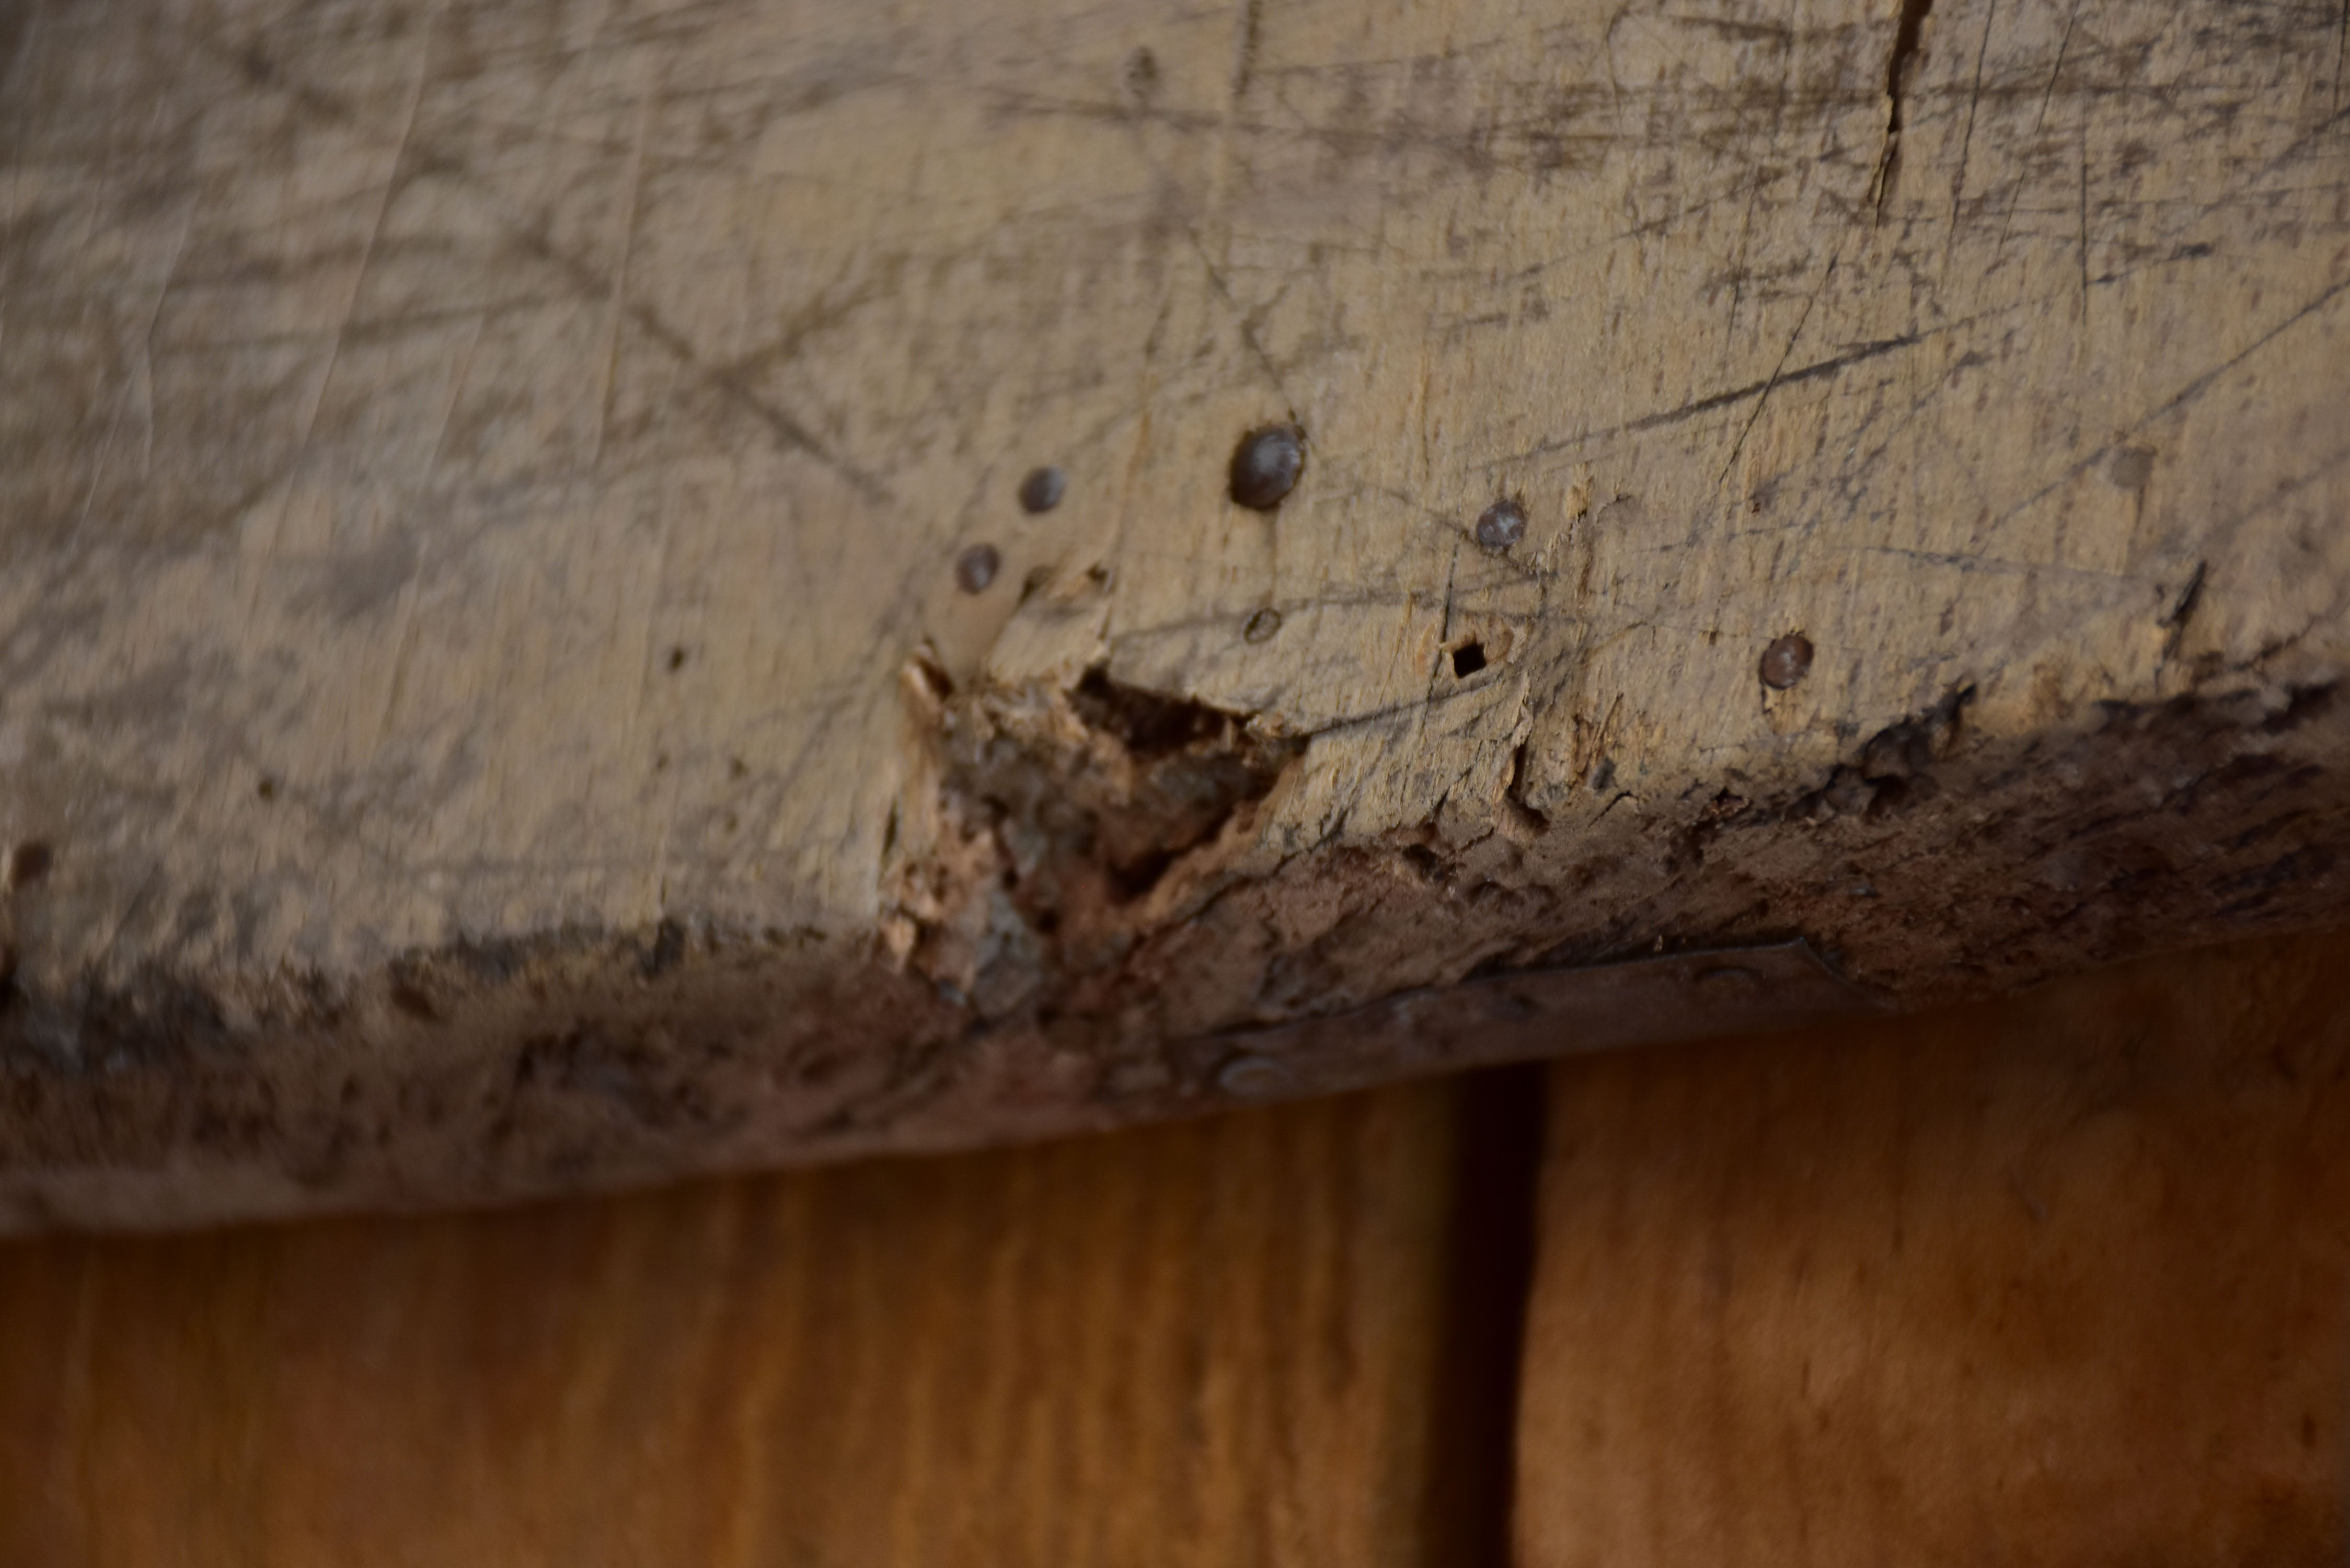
[1143,966]
[628,1101]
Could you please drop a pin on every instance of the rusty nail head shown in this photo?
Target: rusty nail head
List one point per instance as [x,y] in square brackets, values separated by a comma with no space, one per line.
[1267,464]
[1043,489]
[1786,661]
[1502,524]
[976,567]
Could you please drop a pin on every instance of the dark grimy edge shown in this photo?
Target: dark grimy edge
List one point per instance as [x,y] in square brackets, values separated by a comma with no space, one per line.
[1926,869]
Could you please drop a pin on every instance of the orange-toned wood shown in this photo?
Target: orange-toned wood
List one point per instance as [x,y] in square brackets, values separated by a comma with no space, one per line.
[2061,1280]
[1216,1343]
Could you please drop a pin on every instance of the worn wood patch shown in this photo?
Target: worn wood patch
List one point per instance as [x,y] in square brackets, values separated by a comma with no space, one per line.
[538,653]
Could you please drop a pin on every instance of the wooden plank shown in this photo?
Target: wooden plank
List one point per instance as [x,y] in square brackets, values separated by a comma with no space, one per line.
[1215,1343]
[502,692]
[2061,1281]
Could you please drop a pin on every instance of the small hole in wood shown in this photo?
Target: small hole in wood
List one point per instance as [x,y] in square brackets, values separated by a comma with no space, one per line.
[1468,659]
[28,863]
[1141,72]
[414,1002]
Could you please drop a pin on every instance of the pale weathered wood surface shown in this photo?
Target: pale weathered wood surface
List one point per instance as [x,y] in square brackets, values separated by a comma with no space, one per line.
[1220,1343]
[488,702]
[2061,1281]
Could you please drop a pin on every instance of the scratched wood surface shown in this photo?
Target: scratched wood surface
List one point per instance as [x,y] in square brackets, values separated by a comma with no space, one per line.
[501,692]
[2059,1281]
[1216,1343]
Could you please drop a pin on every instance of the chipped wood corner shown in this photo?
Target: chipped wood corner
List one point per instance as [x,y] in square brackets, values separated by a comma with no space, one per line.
[590,600]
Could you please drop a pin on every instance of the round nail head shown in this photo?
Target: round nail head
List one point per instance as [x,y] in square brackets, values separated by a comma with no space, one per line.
[1042,490]
[1267,464]
[1501,524]
[976,567]
[1786,661]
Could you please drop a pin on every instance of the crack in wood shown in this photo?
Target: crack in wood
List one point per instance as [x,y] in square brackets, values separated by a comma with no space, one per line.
[1907,40]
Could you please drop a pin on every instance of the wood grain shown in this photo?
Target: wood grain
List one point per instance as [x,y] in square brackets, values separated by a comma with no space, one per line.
[490,705]
[2064,1281]
[1219,1343]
